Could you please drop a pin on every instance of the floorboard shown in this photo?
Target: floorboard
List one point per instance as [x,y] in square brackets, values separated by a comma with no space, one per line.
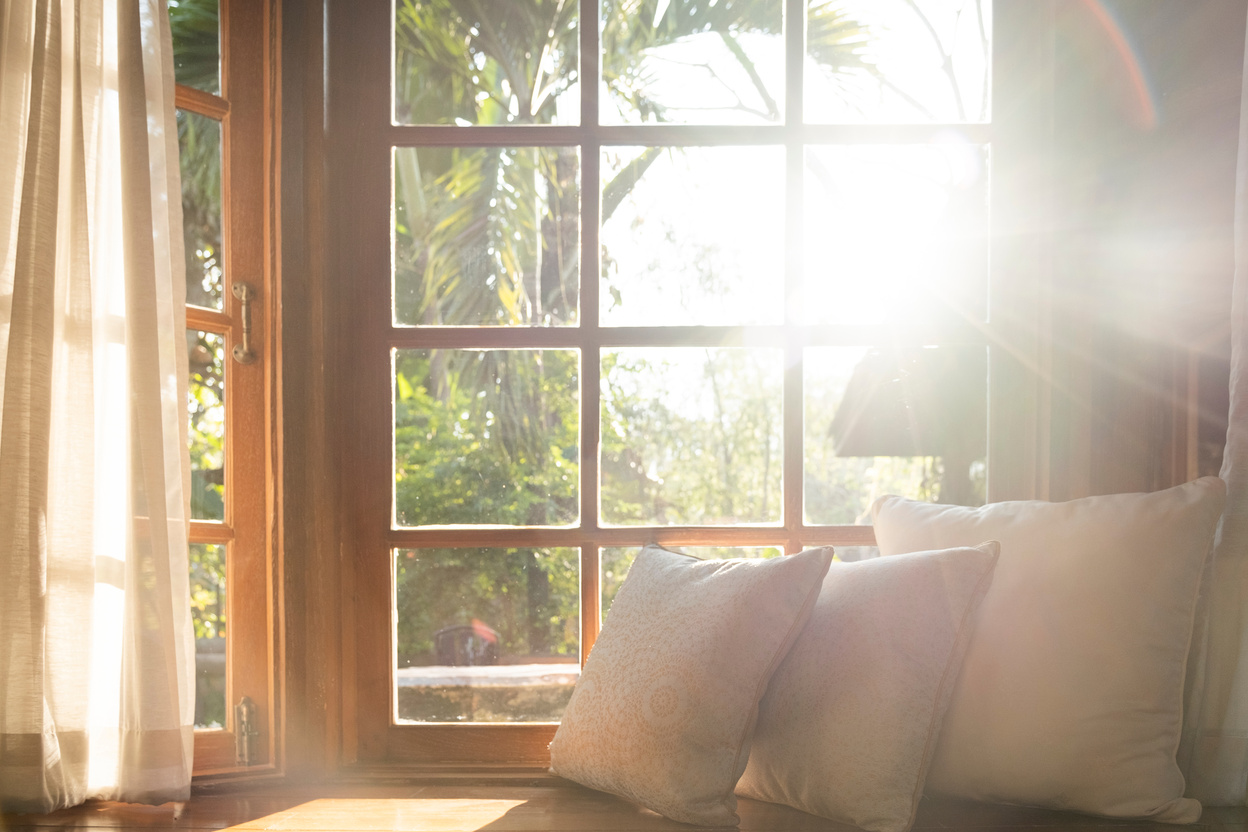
[517,803]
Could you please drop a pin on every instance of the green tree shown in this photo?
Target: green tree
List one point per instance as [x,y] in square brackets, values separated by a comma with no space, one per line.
[490,236]
[714,459]
[196,47]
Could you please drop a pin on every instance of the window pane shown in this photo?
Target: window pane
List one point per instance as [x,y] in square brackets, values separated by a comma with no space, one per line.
[208,613]
[898,61]
[617,561]
[500,62]
[893,421]
[692,62]
[486,635]
[691,436]
[692,236]
[896,234]
[196,43]
[199,152]
[486,436]
[206,414]
[850,554]
[486,236]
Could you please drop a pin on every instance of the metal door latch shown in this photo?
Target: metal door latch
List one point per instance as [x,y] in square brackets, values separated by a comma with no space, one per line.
[243,353]
[246,732]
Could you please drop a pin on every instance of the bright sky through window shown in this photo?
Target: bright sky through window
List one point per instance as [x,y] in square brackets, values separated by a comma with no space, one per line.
[894,234]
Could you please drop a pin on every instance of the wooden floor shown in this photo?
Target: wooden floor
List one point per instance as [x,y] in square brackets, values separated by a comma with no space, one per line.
[518,802]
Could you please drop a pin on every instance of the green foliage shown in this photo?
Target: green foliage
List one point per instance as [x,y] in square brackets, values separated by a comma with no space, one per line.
[196,48]
[716,460]
[836,41]
[530,597]
[196,43]
[197,54]
[633,28]
[199,152]
[206,412]
[194,24]
[483,62]
[498,446]
[208,590]
[490,236]
[486,236]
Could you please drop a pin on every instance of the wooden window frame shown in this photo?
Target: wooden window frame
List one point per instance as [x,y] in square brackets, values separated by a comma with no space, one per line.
[245,110]
[360,141]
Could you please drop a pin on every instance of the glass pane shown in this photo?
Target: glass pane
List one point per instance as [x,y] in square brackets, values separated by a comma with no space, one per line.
[692,236]
[492,62]
[199,151]
[206,413]
[196,43]
[486,236]
[896,234]
[486,436]
[486,635]
[851,554]
[893,421]
[208,612]
[691,436]
[692,62]
[616,562]
[898,61]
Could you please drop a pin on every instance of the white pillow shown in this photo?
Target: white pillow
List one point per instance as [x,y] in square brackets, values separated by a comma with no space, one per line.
[1071,693]
[850,719]
[665,707]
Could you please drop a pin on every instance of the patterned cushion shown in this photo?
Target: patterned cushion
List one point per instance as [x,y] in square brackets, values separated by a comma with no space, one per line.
[668,699]
[1071,694]
[850,720]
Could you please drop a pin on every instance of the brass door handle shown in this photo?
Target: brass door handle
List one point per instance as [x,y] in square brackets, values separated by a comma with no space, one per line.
[243,353]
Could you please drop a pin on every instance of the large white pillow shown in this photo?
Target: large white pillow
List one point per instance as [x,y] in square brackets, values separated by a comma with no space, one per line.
[850,719]
[1071,693]
[665,707]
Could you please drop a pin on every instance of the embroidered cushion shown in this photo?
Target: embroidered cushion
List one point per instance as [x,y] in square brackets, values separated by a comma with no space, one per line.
[666,704]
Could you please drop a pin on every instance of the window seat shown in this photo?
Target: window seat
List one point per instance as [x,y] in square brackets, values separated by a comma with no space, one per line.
[514,800]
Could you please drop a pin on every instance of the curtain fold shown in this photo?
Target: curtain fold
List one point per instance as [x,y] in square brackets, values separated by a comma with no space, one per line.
[97,650]
[1214,751]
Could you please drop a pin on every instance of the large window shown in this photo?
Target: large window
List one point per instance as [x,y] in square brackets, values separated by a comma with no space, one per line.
[708,274]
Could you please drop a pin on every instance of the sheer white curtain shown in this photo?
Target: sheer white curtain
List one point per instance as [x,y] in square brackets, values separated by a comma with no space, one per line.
[1214,753]
[96,647]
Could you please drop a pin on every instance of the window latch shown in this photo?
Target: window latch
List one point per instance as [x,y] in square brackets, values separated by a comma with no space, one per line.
[246,732]
[243,353]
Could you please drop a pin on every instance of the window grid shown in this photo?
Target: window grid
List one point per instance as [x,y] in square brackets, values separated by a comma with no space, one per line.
[591,338]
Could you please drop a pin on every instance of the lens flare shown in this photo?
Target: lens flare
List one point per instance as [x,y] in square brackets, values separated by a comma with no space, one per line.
[1145,102]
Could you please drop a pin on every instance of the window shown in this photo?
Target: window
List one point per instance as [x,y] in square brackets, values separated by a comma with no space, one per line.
[716,286]
[221,142]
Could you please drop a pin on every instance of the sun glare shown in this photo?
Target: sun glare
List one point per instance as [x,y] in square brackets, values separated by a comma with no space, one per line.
[893,234]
